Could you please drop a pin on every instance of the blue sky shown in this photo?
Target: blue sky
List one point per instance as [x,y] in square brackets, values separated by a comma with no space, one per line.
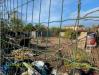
[69,11]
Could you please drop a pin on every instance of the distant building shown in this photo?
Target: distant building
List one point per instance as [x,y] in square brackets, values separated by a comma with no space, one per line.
[73,27]
[79,28]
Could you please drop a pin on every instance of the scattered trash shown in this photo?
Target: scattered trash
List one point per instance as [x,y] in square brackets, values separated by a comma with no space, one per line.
[54,72]
[22,54]
[39,64]
[91,40]
[42,67]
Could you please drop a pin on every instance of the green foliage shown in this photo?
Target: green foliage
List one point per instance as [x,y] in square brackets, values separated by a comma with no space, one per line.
[40,27]
[28,27]
[73,35]
[3,25]
[16,24]
[4,28]
[70,34]
[80,60]
[81,56]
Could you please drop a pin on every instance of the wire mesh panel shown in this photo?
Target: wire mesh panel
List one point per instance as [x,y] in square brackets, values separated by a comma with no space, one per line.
[31,32]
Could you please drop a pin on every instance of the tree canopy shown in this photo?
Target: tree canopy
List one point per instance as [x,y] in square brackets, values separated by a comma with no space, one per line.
[28,27]
[40,27]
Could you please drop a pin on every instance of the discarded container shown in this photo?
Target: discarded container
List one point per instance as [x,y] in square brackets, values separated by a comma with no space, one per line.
[91,40]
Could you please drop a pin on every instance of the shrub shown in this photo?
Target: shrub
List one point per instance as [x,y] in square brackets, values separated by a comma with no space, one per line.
[70,34]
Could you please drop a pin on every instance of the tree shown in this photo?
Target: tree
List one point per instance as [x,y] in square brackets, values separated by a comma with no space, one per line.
[4,29]
[40,27]
[16,24]
[28,27]
[4,25]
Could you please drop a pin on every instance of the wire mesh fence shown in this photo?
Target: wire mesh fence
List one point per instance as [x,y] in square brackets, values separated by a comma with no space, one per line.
[25,35]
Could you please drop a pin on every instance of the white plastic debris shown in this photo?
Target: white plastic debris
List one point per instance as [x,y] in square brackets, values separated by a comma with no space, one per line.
[39,64]
[54,72]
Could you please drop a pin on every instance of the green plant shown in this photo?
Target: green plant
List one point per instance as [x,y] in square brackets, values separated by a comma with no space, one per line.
[80,60]
[28,27]
[70,34]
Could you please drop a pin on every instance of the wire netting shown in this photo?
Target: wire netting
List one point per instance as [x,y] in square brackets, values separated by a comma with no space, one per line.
[16,14]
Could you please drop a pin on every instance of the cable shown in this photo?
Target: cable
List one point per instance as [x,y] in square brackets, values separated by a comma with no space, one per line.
[91,12]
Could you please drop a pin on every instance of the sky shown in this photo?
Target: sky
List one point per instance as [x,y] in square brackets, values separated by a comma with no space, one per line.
[69,11]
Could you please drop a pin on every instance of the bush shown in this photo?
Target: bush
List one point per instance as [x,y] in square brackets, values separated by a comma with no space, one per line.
[70,34]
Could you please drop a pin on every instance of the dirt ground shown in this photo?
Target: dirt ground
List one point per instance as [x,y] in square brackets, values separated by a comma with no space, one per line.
[66,47]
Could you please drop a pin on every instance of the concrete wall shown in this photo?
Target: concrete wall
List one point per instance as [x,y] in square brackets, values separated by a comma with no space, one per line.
[33,34]
[62,34]
[74,27]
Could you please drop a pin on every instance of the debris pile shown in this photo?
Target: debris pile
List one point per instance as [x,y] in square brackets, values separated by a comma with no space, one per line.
[22,54]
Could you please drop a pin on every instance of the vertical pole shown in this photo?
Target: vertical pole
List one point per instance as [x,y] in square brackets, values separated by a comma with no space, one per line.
[1,17]
[78,18]
[76,25]
[48,23]
[61,22]
[48,26]
[39,24]
[32,12]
